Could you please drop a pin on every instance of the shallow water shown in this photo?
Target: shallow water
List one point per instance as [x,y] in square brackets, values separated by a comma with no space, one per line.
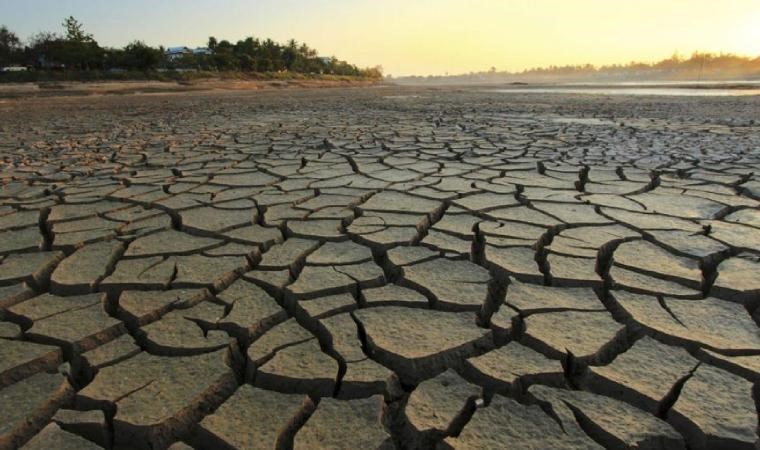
[643,90]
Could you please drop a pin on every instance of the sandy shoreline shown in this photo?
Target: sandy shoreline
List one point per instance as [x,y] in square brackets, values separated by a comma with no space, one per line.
[78,88]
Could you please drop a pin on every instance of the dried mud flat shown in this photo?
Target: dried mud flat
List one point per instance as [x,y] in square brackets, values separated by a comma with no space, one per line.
[379,268]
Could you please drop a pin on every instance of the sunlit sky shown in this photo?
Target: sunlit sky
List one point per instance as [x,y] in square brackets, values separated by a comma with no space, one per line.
[421,36]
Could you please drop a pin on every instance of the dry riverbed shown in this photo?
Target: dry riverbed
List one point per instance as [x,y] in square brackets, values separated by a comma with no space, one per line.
[379,268]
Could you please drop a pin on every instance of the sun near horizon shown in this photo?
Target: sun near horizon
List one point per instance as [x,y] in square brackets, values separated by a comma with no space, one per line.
[423,37]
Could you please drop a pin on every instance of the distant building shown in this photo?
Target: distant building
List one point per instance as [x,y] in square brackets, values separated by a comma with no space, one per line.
[327,60]
[174,53]
[43,63]
[202,51]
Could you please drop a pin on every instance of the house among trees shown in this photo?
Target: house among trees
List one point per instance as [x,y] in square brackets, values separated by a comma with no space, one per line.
[78,53]
[176,53]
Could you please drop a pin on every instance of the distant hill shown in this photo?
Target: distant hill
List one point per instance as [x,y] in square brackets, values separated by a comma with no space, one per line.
[698,67]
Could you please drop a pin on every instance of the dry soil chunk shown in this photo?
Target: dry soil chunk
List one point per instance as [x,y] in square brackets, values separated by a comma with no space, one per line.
[273,279]
[155,272]
[339,253]
[693,244]
[714,323]
[514,367]
[159,397]
[253,310]
[318,308]
[648,258]
[82,271]
[112,352]
[143,307]
[402,256]
[590,336]
[90,424]
[78,323]
[301,368]
[610,422]
[252,419]
[20,359]
[317,281]
[53,437]
[9,330]
[418,343]
[11,295]
[363,376]
[486,201]
[715,409]
[517,261]
[586,241]
[28,405]
[204,271]
[532,298]
[436,403]
[279,337]
[679,205]
[345,424]
[394,295]
[738,279]
[639,282]
[398,202]
[573,213]
[644,375]
[169,242]
[180,332]
[32,268]
[288,254]
[25,239]
[507,424]
[256,235]
[571,271]
[322,229]
[215,220]
[457,285]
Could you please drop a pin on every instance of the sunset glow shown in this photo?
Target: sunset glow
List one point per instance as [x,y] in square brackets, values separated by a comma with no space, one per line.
[424,36]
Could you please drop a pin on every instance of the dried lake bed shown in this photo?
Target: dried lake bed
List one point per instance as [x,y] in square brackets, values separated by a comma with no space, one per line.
[380,267]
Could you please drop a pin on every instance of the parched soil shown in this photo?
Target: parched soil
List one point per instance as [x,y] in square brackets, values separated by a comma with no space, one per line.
[383,267]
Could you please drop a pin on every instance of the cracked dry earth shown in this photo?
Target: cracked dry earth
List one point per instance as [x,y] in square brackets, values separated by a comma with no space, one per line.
[379,268]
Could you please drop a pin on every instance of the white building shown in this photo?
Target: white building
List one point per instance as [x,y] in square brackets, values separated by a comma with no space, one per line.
[202,51]
[174,53]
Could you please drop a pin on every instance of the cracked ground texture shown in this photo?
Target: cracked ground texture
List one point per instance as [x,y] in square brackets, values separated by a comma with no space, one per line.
[379,268]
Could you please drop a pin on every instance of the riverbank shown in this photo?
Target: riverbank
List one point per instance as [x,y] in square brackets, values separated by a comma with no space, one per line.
[123,87]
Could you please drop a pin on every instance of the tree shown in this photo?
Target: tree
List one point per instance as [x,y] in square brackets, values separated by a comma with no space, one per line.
[139,56]
[76,49]
[375,72]
[75,31]
[290,54]
[10,46]
[44,48]
[79,49]
[8,39]
[246,62]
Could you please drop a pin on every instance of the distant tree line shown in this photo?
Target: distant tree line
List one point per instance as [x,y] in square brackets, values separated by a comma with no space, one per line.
[706,63]
[699,66]
[77,50]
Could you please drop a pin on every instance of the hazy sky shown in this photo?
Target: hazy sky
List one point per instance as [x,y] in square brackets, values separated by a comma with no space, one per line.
[421,36]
